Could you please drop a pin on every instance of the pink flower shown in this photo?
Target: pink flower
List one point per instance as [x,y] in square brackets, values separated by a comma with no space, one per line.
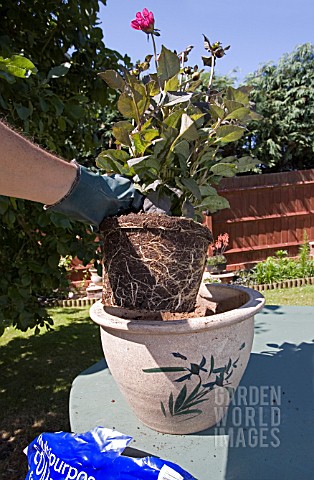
[144,21]
[220,244]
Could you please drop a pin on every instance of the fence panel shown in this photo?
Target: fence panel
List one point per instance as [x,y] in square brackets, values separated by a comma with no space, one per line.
[268,213]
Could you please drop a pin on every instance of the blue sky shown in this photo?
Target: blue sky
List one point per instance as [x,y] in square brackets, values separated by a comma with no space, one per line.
[258,31]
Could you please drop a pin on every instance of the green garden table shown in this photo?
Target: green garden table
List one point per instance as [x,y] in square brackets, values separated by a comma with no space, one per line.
[268,432]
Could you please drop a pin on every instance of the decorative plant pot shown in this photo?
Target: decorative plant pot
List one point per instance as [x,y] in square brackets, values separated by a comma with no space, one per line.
[153,262]
[179,376]
[94,277]
[218,268]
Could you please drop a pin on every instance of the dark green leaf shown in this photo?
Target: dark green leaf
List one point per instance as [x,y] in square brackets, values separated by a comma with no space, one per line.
[238,114]
[207,190]
[231,105]
[23,112]
[173,119]
[214,203]
[163,409]
[237,95]
[121,131]
[126,106]
[112,160]
[188,130]
[168,64]
[229,133]
[59,71]
[217,112]
[172,84]
[192,186]
[246,164]
[113,79]
[4,204]
[57,103]
[143,139]
[224,169]
[6,76]
[74,111]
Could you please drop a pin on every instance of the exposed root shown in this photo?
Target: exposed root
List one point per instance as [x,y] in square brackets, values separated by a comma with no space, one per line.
[152,268]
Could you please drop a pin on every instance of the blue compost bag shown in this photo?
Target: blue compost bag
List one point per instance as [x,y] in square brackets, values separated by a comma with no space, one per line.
[94,455]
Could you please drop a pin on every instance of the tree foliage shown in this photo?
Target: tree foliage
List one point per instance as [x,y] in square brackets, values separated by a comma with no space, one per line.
[64,107]
[284,95]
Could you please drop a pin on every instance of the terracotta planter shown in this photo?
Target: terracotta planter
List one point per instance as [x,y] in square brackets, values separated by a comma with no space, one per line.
[153,262]
[179,376]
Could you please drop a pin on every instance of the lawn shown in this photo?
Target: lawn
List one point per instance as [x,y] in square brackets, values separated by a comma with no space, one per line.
[37,372]
[36,376]
[291,296]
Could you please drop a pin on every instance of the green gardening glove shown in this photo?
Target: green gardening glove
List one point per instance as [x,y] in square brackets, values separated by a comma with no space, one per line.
[94,197]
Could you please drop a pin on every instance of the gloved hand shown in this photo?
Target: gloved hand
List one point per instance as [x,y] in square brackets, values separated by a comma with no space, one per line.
[93,197]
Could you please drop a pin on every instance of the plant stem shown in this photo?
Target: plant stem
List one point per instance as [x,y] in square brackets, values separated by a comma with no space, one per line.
[156,61]
[182,67]
[210,78]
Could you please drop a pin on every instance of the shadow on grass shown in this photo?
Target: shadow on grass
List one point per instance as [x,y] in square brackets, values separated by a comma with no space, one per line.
[36,377]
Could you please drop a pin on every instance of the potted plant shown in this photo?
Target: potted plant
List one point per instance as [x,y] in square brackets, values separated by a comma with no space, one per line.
[154,323]
[217,262]
[171,143]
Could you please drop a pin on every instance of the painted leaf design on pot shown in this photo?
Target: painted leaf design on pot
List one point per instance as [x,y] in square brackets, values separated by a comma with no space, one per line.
[164,370]
[179,355]
[180,399]
[184,402]
[185,377]
[170,403]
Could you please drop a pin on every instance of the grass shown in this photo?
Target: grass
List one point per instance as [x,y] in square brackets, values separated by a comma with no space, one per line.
[36,376]
[290,296]
[37,372]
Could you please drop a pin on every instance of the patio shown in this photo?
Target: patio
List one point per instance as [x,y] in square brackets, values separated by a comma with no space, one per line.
[268,432]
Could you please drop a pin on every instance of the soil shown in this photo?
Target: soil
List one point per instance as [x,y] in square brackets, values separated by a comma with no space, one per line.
[153,262]
[210,301]
[199,311]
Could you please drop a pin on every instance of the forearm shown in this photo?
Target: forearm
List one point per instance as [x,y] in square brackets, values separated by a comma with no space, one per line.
[27,171]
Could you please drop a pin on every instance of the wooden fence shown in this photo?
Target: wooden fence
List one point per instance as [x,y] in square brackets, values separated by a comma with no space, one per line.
[268,213]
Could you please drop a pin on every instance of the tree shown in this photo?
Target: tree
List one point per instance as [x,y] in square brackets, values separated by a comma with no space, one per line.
[63,107]
[284,95]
